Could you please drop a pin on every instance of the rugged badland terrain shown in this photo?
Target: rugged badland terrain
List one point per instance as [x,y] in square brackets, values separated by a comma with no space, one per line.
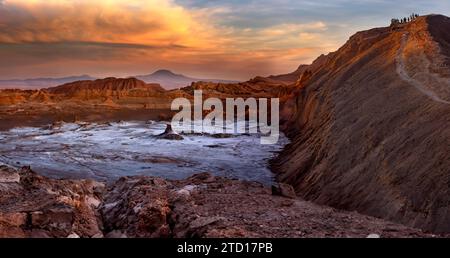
[113,99]
[370,130]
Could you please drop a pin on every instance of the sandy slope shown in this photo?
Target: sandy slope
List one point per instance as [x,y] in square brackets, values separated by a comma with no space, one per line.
[425,75]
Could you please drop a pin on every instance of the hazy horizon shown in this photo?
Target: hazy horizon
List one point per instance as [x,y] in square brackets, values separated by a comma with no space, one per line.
[103,77]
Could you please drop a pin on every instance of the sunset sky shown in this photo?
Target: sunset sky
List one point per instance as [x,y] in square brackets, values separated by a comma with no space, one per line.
[210,39]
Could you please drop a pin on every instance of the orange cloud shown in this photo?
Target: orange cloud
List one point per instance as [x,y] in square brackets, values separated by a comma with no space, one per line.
[136,21]
[111,37]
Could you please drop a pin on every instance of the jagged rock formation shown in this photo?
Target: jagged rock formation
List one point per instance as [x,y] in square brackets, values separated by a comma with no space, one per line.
[371,126]
[12,97]
[200,206]
[131,90]
[104,100]
[35,206]
[169,134]
[101,90]
[258,87]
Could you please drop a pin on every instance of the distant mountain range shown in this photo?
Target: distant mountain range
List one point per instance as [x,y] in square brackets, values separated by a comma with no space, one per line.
[170,80]
[37,83]
[165,78]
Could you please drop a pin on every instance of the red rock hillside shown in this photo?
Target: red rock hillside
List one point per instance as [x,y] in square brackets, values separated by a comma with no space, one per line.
[109,87]
[371,126]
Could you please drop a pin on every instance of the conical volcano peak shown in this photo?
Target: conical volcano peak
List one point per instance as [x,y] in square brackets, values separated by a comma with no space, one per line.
[165,72]
[171,80]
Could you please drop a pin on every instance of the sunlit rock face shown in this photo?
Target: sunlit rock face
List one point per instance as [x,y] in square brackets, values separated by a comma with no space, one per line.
[370,126]
[109,151]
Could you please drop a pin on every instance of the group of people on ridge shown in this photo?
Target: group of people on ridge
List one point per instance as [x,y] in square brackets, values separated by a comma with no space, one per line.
[411,18]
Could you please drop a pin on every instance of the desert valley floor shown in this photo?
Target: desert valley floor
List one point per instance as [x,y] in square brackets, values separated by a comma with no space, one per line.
[109,151]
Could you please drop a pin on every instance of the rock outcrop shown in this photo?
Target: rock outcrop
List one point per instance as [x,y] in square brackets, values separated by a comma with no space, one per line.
[370,126]
[200,206]
[109,87]
[12,97]
[169,134]
[102,91]
[34,206]
[257,87]
[207,206]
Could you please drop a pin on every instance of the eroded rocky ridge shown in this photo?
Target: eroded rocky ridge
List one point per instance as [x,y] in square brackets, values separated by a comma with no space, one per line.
[113,99]
[123,92]
[370,126]
[258,87]
[97,91]
[200,206]
[108,87]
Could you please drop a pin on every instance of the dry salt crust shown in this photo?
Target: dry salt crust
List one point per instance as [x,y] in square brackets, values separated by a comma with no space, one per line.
[109,151]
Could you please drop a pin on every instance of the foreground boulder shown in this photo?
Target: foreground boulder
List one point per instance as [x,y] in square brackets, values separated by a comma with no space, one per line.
[169,134]
[137,207]
[34,206]
[285,190]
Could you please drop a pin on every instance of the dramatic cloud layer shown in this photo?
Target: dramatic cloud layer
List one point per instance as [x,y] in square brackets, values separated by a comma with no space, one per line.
[228,39]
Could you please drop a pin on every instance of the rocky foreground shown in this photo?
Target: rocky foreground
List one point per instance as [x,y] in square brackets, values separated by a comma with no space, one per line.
[200,206]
